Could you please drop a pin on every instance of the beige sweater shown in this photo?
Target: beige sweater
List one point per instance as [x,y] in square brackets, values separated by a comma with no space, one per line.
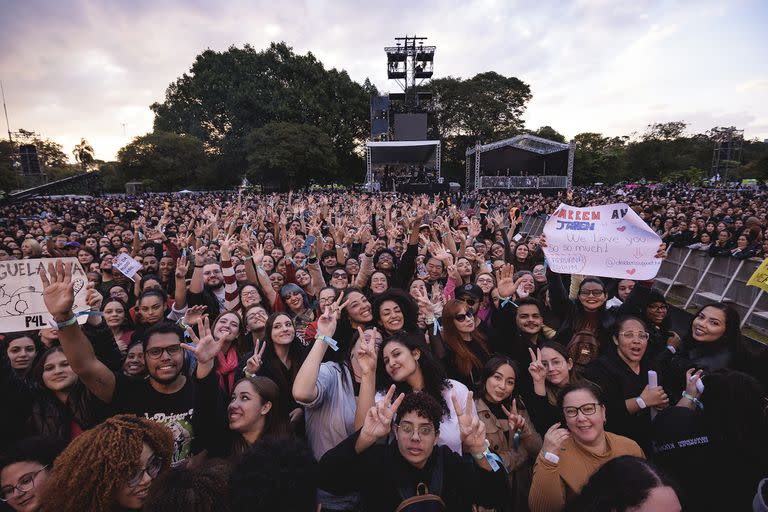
[554,485]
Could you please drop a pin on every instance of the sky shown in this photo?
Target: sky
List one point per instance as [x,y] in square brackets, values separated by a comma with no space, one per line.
[77,68]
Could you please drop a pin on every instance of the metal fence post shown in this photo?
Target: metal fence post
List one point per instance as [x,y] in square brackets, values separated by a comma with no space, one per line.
[698,285]
[680,269]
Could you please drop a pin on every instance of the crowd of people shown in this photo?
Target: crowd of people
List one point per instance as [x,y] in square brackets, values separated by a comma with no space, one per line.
[372,352]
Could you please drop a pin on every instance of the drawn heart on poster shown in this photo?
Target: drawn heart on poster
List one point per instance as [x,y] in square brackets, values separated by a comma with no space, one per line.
[631,271]
[77,284]
[621,228]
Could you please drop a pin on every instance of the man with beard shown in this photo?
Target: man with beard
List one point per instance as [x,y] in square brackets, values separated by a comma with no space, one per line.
[150,265]
[207,285]
[185,405]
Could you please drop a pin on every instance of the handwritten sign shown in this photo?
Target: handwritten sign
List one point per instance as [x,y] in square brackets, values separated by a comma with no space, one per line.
[608,240]
[760,276]
[21,294]
[127,265]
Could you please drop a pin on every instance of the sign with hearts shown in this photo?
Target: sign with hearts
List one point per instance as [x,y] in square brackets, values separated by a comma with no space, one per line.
[21,294]
[608,241]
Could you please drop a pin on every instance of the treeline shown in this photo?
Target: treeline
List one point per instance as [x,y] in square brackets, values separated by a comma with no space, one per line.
[282,120]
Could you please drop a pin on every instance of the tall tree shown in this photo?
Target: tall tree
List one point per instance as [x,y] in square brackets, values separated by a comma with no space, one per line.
[164,161]
[547,132]
[84,154]
[226,95]
[290,155]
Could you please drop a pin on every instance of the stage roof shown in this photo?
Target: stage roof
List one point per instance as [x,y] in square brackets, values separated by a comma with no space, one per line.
[402,151]
[524,142]
[523,153]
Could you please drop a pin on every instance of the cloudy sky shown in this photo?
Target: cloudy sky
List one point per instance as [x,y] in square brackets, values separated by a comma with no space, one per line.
[91,69]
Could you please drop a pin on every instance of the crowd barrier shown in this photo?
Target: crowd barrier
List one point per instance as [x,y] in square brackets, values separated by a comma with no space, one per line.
[693,278]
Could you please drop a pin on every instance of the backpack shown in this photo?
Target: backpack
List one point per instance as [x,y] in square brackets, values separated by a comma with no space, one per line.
[426,499]
[583,348]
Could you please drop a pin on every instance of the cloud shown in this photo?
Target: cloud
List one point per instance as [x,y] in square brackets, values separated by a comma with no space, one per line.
[91,69]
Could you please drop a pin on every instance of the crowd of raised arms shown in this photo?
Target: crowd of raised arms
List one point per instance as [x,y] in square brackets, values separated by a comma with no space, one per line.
[357,352]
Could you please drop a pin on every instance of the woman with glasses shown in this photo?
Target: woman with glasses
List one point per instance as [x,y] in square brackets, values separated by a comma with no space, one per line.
[24,470]
[571,455]
[109,467]
[623,376]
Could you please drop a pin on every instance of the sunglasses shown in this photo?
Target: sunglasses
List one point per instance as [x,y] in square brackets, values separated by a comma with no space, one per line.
[468,301]
[463,316]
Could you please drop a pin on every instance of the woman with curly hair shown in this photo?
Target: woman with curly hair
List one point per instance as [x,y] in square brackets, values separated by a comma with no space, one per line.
[110,467]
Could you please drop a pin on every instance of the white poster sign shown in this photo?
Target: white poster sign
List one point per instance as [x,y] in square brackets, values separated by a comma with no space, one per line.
[608,240]
[127,265]
[21,294]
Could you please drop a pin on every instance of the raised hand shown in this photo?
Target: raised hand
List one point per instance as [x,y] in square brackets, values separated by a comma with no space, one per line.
[254,362]
[205,347]
[516,421]
[93,298]
[425,305]
[58,291]
[504,282]
[661,252]
[193,314]
[554,439]
[258,254]
[182,267]
[472,430]
[692,376]
[378,421]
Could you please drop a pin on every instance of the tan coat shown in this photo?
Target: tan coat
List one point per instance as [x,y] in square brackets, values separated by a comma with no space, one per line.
[518,462]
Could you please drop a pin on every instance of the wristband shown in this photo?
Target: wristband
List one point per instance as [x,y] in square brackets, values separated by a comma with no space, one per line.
[672,349]
[551,457]
[247,373]
[640,403]
[493,460]
[430,320]
[328,341]
[66,323]
[693,399]
[505,301]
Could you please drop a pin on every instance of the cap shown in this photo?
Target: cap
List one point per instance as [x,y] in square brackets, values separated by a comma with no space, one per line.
[470,289]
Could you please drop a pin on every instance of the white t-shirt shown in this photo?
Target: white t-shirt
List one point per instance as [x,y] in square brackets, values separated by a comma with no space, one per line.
[450,435]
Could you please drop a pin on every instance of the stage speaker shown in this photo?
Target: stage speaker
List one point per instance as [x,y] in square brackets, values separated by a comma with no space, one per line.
[30,163]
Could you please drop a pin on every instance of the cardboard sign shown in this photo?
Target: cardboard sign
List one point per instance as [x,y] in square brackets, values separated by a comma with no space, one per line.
[760,276]
[21,294]
[127,265]
[608,241]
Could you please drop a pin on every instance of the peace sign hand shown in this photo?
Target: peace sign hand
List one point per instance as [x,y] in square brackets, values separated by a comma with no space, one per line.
[472,430]
[378,421]
[254,362]
[537,369]
[365,351]
[516,421]
[326,324]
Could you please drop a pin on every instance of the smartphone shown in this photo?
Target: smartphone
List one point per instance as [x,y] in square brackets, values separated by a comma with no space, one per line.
[308,242]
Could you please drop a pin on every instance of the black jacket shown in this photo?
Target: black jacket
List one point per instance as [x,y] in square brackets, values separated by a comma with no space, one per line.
[380,472]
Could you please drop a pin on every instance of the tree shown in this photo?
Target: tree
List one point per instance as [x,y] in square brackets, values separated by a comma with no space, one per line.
[665,131]
[598,159]
[290,154]
[226,95]
[488,106]
[547,132]
[84,154]
[164,161]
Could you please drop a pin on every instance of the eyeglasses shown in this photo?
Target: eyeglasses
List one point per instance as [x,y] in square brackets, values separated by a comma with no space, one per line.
[586,410]
[468,301]
[156,352]
[409,429]
[25,484]
[152,469]
[484,280]
[658,307]
[631,335]
[593,293]
[463,316]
